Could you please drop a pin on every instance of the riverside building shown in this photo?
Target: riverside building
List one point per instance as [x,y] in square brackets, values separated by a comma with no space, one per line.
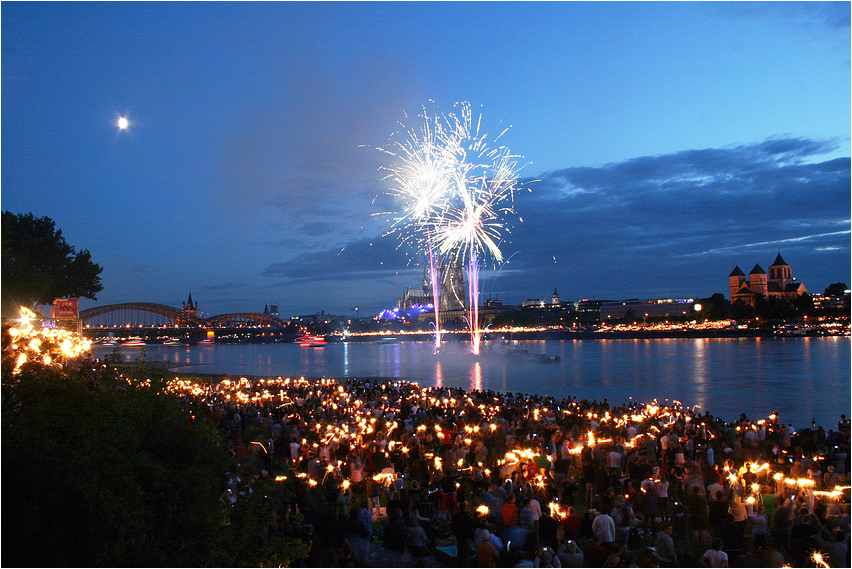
[778,283]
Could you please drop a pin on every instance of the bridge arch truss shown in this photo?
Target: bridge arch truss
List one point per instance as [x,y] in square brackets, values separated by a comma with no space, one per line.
[247,319]
[138,313]
[161,315]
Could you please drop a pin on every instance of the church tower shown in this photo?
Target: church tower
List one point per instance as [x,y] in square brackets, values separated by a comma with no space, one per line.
[189,308]
[555,299]
[757,280]
[780,273]
[736,280]
[453,292]
[427,281]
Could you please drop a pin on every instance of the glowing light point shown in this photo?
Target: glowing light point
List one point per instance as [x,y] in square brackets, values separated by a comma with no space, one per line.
[123,123]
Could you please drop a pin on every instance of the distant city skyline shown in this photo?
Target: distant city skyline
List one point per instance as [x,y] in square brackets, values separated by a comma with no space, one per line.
[229,149]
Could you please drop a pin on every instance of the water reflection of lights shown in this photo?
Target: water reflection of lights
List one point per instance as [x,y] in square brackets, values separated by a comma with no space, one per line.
[439,375]
[476,377]
[346,359]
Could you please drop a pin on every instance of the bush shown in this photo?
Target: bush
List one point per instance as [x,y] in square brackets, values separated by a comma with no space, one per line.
[102,471]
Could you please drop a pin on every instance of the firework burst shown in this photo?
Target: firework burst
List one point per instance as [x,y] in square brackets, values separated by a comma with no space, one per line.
[456,191]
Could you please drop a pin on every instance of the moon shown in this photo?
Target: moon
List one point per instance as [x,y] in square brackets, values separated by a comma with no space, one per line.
[123,123]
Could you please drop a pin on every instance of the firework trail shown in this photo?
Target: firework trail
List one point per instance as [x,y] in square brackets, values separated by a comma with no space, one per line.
[421,177]
[456,190]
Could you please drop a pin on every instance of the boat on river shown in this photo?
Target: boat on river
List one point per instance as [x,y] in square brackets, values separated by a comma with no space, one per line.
[311,341]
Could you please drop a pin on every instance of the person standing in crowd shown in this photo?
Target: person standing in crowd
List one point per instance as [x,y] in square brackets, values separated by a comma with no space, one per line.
[571,524]
[510,511]
[372,489]
[418,541]
[714,557]
[603,527]
[666,552]
[462,527]
[696,504]
[622,516]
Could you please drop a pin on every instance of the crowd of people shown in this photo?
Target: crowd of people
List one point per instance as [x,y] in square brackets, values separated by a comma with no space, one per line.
[492,479]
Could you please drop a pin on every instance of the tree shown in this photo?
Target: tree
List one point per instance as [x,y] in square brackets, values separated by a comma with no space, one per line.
[714,307]
[836,289]
[742,311]
[39,265]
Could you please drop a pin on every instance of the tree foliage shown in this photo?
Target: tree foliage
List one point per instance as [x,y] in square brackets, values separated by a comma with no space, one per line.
[714,307]
[836,289]
[102,471]
[39,265]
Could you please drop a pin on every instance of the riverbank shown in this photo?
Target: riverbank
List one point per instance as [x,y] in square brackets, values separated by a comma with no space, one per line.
[716,374]
[601,334]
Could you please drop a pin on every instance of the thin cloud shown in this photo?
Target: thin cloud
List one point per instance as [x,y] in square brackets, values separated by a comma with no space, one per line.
[776,242]
[633,228]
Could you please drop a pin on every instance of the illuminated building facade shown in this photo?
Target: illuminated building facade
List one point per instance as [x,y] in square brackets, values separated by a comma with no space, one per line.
[778,283]
[451,294]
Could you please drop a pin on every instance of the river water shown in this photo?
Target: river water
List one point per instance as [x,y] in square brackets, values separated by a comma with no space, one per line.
[801,378]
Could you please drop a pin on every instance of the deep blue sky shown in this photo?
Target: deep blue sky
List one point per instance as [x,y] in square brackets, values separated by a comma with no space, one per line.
[664,143]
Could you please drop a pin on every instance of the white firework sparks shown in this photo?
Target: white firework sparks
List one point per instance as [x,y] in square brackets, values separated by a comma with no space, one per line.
[456,191]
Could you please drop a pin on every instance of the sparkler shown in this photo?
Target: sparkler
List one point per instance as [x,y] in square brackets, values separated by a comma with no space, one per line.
[556,511]
[456,190]
[819,559]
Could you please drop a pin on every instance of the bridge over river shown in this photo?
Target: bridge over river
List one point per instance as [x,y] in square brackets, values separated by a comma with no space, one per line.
[151,319]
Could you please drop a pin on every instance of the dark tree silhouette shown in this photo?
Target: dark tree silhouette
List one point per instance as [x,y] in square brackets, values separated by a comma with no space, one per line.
[836,289]
[39,265]
[100,471]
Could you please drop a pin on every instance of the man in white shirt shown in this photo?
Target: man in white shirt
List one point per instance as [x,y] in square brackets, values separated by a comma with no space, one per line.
[664,449]
[615,463]
[715,557]
[603,527]
[715,491]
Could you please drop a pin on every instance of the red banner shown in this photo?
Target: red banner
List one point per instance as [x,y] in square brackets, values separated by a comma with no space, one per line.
[64,308]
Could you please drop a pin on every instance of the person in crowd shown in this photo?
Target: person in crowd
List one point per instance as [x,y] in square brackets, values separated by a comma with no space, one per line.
[604,528]
[714,557]
[571,524]
[462,527]
[570,554]
[417,540]
[548,531]
[546,557]
[486,554]
[696,504]
[510,511]
[623,518]
[666,552]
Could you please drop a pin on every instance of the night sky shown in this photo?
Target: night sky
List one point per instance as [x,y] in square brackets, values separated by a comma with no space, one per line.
[662,144]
